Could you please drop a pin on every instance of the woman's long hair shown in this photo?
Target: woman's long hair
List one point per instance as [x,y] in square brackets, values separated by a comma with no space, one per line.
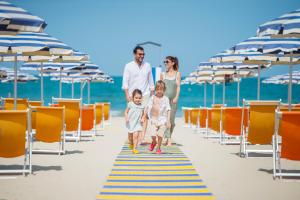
[175,60]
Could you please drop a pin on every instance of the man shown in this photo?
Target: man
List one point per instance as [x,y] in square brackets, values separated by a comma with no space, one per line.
[138,75]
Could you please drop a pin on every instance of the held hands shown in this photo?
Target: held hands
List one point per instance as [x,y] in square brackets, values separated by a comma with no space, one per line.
[168,124]
[175,100]
[128,99]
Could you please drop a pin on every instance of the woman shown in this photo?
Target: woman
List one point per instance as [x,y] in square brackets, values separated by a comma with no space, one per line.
[172,79]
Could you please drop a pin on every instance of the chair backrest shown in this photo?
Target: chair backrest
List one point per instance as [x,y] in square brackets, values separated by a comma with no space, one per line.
[32,105]
[194,115]
[87,117]
[218,105]
[232,120]
[72,112]
[22,104]
[13,127]
[202,117]
[290,133]
[209,124]
[49,123]
[186,114]
[99,112]
[35,103]
[261,121]
[106,110]
[216,119]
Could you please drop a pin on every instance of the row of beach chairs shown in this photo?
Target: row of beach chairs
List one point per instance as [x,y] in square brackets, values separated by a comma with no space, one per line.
[258,127]
[61,121]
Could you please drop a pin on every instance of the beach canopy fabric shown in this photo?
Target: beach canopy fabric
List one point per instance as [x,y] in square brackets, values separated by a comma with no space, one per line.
[14,19]
[284,79]
[267,45]
[30,43]
[287,24]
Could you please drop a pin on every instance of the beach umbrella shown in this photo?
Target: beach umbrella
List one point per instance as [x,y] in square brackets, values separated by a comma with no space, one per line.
[287,25]
[283,79]
[9,76]
[14,19]
[47,68]
[31,44]
[85,76]
[281,46]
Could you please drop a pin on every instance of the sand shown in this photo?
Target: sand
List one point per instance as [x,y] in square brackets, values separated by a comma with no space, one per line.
[81,173]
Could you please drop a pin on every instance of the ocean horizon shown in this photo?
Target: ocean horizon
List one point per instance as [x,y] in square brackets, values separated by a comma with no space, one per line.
[190,96]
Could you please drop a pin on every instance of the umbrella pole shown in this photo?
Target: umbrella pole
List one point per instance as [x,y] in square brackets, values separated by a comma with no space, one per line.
[60,83]
[290,83]
[238,90]
[213,94]
[72,88]
[223,92]
[15,82]
[258,83]
[204,94]
[89,91]
[42,83]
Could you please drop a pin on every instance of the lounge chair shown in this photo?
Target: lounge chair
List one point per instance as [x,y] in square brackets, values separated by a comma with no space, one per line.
[260,125]
[15,138]
[33,104]
[214,119]
[202,120]
[287,128]
[72,117]
[232,125]
[194,118]
[99,116]
[186,113]
[50,128]
[107,113]
[88,128]
[8,104]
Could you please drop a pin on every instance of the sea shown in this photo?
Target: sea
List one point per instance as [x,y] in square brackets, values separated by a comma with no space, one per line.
[190,95]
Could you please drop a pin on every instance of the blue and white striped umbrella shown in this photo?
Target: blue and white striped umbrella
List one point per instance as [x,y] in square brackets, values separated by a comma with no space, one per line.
[248,57]
[50,66]
[34,44]
[14,19]
[283,79]
[267,45]
[89,73]
[287,24]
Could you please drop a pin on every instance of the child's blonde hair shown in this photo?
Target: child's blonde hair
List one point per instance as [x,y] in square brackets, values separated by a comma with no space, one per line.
[160,84]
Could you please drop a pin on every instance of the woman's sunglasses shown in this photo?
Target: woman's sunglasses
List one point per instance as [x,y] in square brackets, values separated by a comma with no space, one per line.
[166,61]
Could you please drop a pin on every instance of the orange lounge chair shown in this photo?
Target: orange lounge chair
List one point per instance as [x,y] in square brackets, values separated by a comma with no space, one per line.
[214,122]
[72,117]
[194,117]
[33,104]
[88,121]
[232,125]
[260,125]
[288,127]
[106,112]
[202,120]
[8,104]
[15,138]
[186,114]
[99,116]
[50,128]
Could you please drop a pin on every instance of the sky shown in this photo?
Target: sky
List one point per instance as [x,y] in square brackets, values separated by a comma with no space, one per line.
[192,30]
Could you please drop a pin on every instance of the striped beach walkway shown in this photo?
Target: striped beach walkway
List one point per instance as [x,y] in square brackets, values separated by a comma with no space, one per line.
[146,175]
